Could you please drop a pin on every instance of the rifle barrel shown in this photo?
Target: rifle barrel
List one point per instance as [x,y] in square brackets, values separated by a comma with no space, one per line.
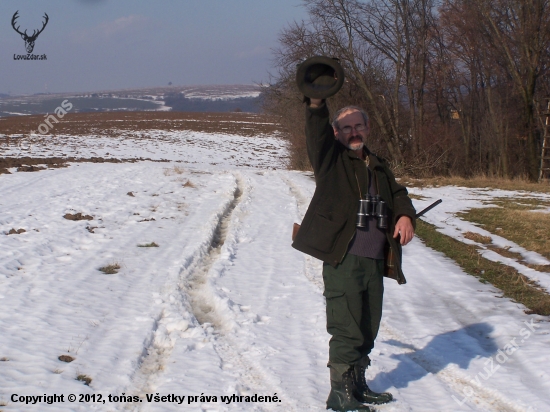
[434,204]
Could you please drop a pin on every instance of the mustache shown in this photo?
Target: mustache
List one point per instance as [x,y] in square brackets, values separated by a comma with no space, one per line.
[355,139]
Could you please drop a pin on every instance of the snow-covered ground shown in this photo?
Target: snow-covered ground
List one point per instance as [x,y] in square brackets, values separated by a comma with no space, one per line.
[224,306]
[188,147]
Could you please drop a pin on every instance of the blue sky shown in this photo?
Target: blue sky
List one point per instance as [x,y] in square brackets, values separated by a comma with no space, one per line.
[113,44]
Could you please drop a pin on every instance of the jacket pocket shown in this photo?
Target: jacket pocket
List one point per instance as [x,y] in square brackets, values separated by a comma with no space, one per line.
[337,309]
[325,230]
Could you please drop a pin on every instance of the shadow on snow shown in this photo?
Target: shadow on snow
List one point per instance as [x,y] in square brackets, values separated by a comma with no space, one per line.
[459,347]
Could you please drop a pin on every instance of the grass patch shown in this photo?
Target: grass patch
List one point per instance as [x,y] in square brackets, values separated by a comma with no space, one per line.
[539,268]
[513,285]
[152,244]
[176,170]
[84,378]
[110,269]
[476,237]
[505,251]
[519,257]
[478,181]
[516,223]
[520,203]
[189,184]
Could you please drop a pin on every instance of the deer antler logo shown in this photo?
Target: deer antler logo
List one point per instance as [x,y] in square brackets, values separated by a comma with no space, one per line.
[29,40]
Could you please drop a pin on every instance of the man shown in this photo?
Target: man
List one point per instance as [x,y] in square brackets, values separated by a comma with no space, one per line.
[355,258]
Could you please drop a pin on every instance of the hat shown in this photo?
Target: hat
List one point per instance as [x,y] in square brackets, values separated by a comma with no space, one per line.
[320,77]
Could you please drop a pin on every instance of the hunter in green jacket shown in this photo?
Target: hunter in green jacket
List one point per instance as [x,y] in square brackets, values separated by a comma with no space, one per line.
[355,258]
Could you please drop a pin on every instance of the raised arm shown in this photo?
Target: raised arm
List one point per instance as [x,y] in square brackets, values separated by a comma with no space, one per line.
[319,137]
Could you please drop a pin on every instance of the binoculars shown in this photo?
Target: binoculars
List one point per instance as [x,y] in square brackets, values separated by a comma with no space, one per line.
[320,77]
[372,206]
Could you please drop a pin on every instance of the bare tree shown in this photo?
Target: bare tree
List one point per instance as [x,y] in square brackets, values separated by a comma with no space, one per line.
[518,32]
[447,91]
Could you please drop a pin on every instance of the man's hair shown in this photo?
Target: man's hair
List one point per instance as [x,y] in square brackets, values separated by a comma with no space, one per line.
[348,109]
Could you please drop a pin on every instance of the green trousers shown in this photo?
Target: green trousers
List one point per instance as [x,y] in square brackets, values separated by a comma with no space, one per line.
[354,291]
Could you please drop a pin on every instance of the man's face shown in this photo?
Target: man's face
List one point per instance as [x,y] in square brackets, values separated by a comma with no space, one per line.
[355,139]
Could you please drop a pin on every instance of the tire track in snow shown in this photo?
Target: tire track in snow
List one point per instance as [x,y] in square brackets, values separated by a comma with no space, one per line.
[196,283]
[163,336]
[217,319]
[214,314]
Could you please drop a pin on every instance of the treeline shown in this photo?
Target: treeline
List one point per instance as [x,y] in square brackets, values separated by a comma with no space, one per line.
[451,87]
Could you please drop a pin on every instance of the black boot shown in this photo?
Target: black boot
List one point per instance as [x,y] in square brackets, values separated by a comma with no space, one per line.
[362,391]
[341,393]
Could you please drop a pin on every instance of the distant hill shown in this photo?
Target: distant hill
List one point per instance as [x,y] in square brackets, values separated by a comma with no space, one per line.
[218,98]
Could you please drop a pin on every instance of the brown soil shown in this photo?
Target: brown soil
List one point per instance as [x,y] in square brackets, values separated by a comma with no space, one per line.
[33,164]
[110,269]
[115,123]
[77,216]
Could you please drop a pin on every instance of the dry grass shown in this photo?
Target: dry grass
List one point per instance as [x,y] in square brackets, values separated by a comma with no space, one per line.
[110,269]
[520,203]
[506,252]
[176,170]
[478,181]
[417,197]
[189,183]
[66,358]
[476,237]
[152,244]
[77,216]
[518,257]
[84,378]
[528,229]
[539,268]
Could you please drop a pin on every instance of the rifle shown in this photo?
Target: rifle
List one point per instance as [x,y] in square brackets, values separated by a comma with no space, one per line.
[422,212]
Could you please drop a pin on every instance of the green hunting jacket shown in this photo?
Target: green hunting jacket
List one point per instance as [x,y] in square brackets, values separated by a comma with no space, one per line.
[329,224]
